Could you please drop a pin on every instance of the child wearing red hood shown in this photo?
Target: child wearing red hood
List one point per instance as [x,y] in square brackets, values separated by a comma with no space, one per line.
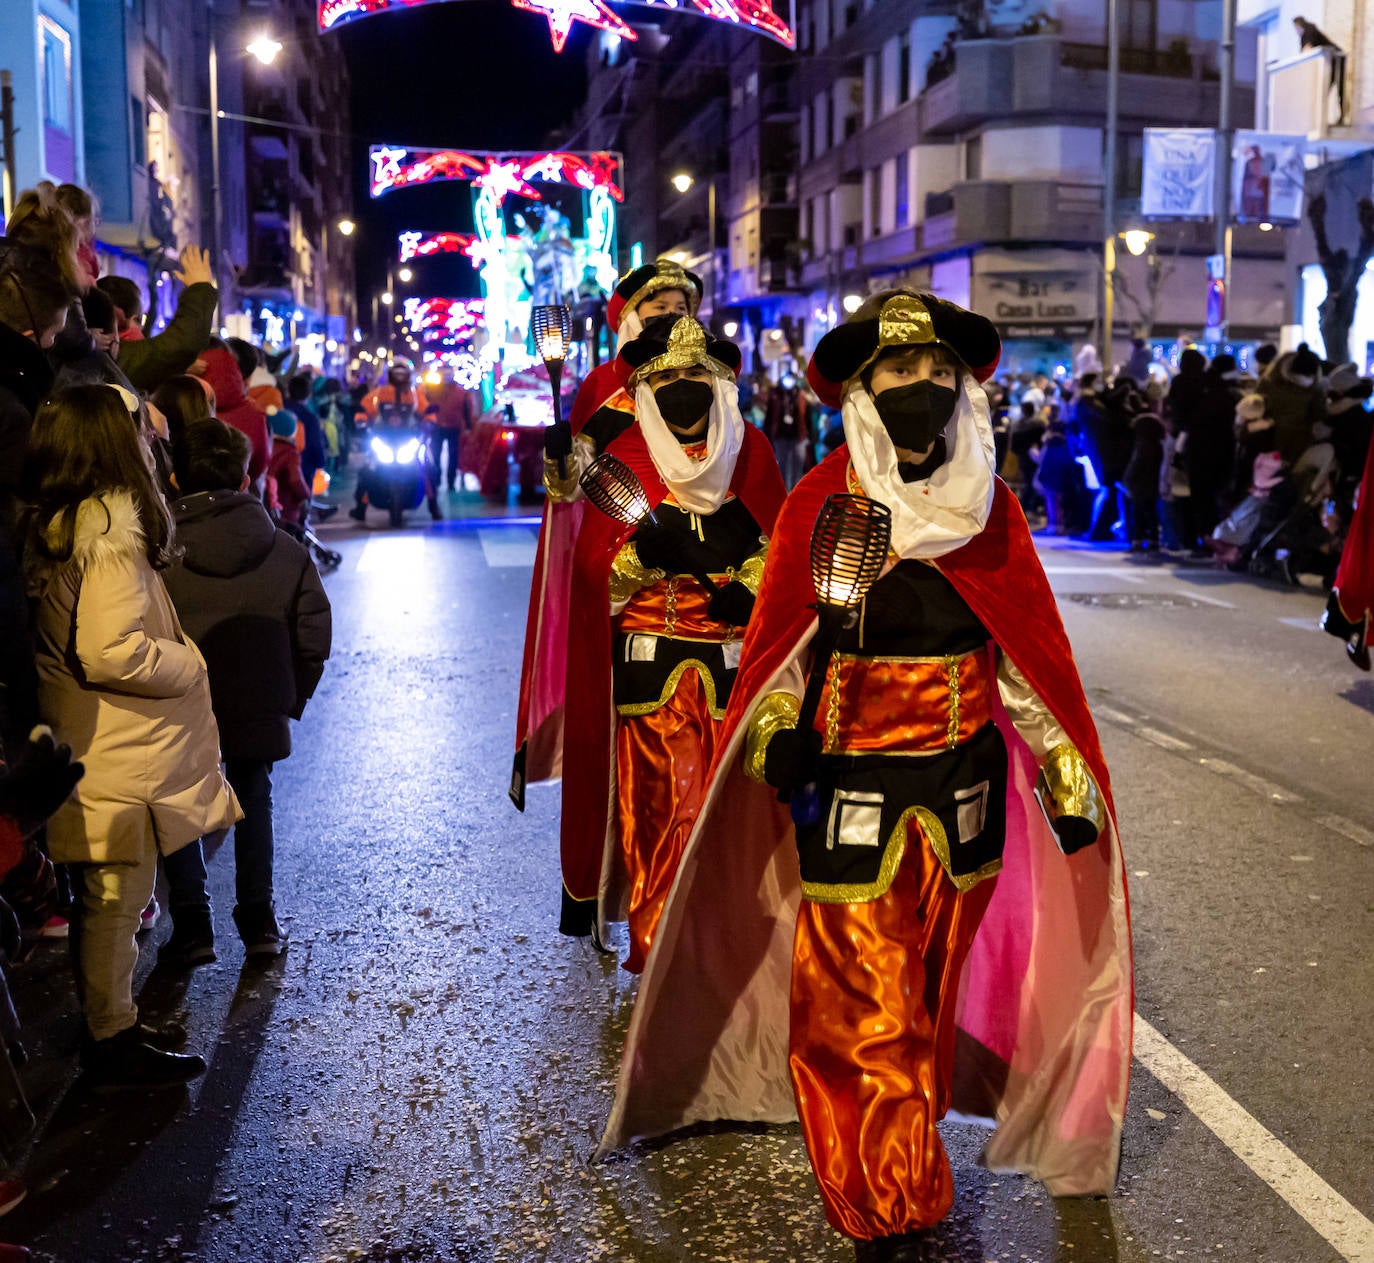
[232,405]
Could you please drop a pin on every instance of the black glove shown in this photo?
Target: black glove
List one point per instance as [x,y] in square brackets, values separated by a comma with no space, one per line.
[31,889]
[39,782]
[791,760]
[731,604]
[678,552]
[1074,833]
[558,441]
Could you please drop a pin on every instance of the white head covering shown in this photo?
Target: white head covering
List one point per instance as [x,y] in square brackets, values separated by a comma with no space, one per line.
[938,514]
[631,326]
[699,486]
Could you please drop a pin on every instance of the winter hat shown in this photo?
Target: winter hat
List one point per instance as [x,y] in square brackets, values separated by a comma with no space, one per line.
[1342,378]
[900,317]
[1268,471]
[1266,354]
[282,423]
[1305,362]
[644,282]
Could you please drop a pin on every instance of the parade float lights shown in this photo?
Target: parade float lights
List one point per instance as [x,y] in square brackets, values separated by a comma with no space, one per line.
[562,15]
[419,245]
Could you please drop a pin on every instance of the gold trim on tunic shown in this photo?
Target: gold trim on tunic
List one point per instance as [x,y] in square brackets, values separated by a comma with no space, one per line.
[631,709]
[1067,781]
[776,712]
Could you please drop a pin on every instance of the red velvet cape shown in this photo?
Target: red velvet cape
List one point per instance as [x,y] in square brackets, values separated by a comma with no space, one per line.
[590,714]
[597,387]
[1354,586]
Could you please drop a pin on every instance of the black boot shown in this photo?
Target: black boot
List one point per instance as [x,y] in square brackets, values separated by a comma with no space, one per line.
[127,1061]
[905,1247]
[192,942]
[257,927]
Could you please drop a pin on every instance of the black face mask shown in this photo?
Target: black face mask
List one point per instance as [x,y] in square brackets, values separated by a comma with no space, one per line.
[915,415]
[684,402]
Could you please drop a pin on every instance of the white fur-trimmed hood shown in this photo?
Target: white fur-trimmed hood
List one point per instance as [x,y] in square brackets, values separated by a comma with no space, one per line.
[107,529]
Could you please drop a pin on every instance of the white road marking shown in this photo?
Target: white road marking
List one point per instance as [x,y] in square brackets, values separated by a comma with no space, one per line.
[1115,716]
[509,547]
[1124,573]
[1161,739]
[1206,600]
[1333,1218]
[1302,624]
[1256,784]
[1348,828]
[393,553]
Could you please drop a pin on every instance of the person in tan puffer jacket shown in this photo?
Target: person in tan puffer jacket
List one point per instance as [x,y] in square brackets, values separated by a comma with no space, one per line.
[121,683]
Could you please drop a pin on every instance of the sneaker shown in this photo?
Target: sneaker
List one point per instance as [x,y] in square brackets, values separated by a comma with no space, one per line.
[127,1061]
[12,1192]
[149,916]
[257,927]
[192,942]
[55,927]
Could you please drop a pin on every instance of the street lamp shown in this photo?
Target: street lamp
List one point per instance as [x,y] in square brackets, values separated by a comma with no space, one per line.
[388,297]
[683,181]
[405,275]
[1137,240]
[265,48]
[346,227]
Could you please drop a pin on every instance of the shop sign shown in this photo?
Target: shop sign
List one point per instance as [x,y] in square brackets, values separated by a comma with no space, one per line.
[1036,298]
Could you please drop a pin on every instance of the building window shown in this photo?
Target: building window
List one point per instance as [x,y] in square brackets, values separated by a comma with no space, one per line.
[903,190]
[973,159]
[55,54]
[1141,27]
[904,68]
[136,131]
[876,87]
[875,202]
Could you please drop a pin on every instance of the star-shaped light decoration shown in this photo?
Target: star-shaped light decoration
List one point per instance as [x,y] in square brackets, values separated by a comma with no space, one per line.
[386,166]
[504,178]
[409,242]
[563,13]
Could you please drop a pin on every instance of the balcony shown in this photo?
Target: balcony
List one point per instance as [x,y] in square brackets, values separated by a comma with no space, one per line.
[1302,96]
[1045,74]
[988,211]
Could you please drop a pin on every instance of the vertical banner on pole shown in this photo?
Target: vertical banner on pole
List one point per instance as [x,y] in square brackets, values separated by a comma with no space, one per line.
[1267,177]
[1179,178]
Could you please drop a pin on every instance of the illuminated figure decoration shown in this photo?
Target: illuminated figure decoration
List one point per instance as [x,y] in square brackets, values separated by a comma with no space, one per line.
[561,15]
[442,318]
[553,250]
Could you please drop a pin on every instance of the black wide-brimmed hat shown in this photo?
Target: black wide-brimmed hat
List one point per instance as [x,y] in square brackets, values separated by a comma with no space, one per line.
[678,342]
[644,282]
[900,317]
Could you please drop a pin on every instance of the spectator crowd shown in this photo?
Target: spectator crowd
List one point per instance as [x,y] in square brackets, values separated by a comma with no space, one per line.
[161,623]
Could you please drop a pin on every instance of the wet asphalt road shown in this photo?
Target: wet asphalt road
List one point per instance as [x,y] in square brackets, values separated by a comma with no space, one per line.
[425,1072]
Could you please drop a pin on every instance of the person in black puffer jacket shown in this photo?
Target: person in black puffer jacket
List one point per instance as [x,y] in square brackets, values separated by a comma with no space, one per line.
[248,595]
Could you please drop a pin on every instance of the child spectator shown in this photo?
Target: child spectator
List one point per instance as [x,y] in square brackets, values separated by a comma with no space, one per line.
[120,681]
[128,301]
[254,602]
[284,468]
[309,435]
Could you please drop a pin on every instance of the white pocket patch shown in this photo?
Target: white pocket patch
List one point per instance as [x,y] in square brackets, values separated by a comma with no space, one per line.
[732,650]
[972,810]
[856,819]
[641,648]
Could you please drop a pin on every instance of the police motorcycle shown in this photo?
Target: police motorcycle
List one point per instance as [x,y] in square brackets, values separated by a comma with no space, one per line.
[396,477]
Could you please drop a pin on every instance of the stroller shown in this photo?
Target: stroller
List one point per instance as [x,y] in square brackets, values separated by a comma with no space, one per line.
[1290,526]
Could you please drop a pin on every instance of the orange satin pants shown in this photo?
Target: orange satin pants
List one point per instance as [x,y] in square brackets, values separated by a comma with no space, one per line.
[874,987]
[661,760]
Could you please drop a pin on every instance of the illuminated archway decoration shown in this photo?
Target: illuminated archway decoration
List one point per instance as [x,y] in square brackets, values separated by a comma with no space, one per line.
[562,15]
[504,173]
[419,245]
[438,319]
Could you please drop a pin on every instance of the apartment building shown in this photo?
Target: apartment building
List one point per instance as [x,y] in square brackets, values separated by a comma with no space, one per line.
[706,117]
[1326,94]
[115,94]
[965,153]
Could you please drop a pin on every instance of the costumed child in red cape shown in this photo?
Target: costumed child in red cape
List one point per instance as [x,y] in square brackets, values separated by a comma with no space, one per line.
[656,289]
[1349,606]
[653,650]
[951,932]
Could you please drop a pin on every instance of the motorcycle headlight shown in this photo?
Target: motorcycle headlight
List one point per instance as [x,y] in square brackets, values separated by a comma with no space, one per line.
[408,451]
[382,450]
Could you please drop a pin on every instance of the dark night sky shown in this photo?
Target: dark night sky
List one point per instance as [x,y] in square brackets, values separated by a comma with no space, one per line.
[469,74]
